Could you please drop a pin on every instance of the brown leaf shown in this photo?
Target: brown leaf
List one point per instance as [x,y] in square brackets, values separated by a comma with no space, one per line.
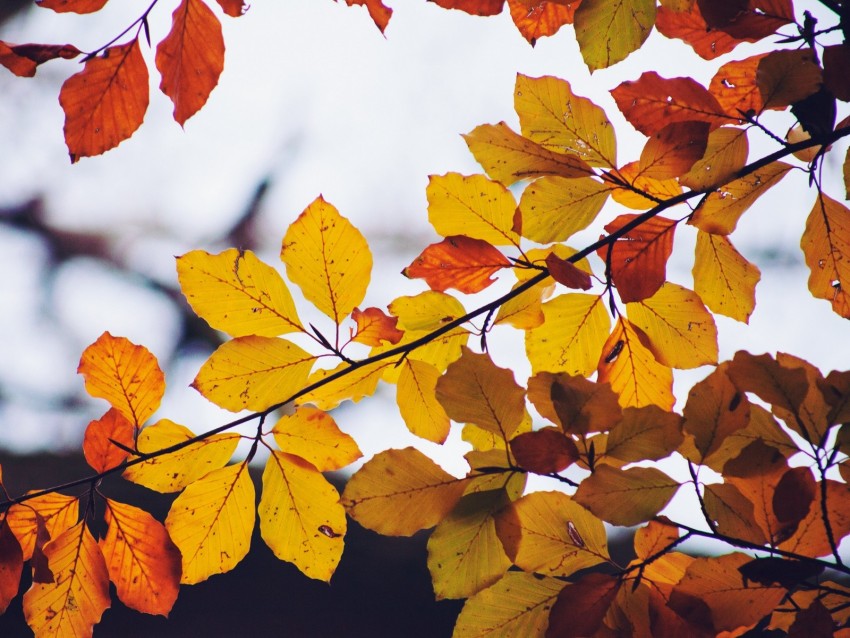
[581,606]
[577,404]
[626,497]
[733,513]
[836,61]
[813,622]
[786,77]
[647,433]
[11,565]
[567,273]
[105,103]
[458,262]
[781,571]
[544,451]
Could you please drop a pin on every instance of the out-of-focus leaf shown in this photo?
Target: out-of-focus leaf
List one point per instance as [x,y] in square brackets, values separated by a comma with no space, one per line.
[607,32]
[626,497]
[23,59]
[11,565]
[378,11]
[72,6]
[458,262]
[313,435]
[473,7]
[98,447]
[233,8]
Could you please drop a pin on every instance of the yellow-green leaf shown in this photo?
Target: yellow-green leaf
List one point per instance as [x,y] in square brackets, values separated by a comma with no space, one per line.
[555,208]
[723,279]
[301,519]
[253,373]
[313,435]
[399,492]
[607,32]
[826,246]
[571,337]
[211,522]
[237,293]
[473,206]
[626,497]
[417,401]
[174,471]
[328,258]
[464,553]
[554,117]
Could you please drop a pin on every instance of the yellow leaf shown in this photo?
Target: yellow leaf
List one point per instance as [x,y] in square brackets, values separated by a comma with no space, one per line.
[75,601]
[417,402]
[549,533]
[571,337]
[554,117]
[626,497]
[141,559]
[211,522]
[313,435]
[525,311]
[126,375]
[655,537]
[464,553]
[826,246]
[508,157]
[475,390]
[681,331]
[721,210]
[607,32]
[473,206]
[426,311]
[328,258]
[659,189]
[555,208]
[723,279]
[517,605]
[253,373]
[353,386]
[301,519]
[172,472]
[58,513]
[237,293]
[632,370]
[399,492]
[725,155]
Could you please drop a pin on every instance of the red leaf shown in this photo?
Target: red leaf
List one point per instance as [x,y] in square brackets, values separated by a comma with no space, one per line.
[22,59]
[540,18]
[544,451]
[473,7]
[11,565]
[233,8]
[581,606]
[567,273]
[690,27]
[458,262]
[72,6]
[379,13]
[105,103]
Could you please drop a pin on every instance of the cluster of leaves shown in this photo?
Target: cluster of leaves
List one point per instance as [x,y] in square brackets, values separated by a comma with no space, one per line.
[764,439]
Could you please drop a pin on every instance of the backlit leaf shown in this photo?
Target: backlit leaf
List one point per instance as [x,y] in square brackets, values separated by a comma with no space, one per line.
[810,538]
[141,559]
[652,102]
[538,19]
[626,497]
[826,247]
[517,605]
[237,293]
[723,278]
[681,331]
[690,27]
[328,258]
[555,208]
[374,327]
[786,77]
[508,157]
[23,59]
[191,58]
[399,492]
[126,375]
[836,58]
[473,7]
[475,390]
[473,206]
[233,8]
[581,606]
[98,447]
[607,32]
[725,155]
[378,11]
[253,373]
[174,471]
[313,435]
[733,513]
[571,337]
[721,210]
[525,310]
[811,419]
[464,553]
[762,427]
[577,404]
[458,262]
[211,522]
[301,519]
[75,601]
[647,433]
[673,150]
[735,87]
[656,189]
[554,117]
[417,401]
[11,566]
[783,387]
[654,537]
[549,533]
[352,386]
[56,512]
[426,311]
[544,451]
[73,6]
[105,103]
[567,274]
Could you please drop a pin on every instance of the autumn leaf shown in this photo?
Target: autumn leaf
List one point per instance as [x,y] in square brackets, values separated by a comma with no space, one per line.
[525,310]
[313,435]
[126,375]
[173,471]
[654,537]
[723,278]
[555,208]
[647,433]
[378,11]
[211,522]
[99,447]
[417,401]
[786,77]
[508,157]
[352,386]
[474,7]
[191,58]
[76,600]
[374,327]
[690,27]
[607,32]
[233,8]
[736,89]
[73,6]
[301,519]
[581,606]
[473,206]
[567,273]
[542,18]
[673,150]
[781,386]
[11,565]
[399,492]
[733,513]
[253,373]
[577,405]
[23,59]
[810,537]
[554,117]
[826,247]
[54,513]
[651,190]
[626,497]
[724,156]
[105,103]
[544,451]
[141,559]
[458,262]
[550,533]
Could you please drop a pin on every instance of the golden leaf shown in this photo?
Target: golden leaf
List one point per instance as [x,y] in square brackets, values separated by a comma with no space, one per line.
[626,497]
[417,401]
[826,246]
[723,279]
[313,435]
[555,208]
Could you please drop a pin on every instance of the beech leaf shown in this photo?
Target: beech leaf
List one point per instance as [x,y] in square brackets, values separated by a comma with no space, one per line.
[626,497]
[458,262]
[607,32]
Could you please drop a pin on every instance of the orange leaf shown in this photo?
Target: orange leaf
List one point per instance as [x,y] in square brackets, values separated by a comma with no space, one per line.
[234,8]
[374,327]
[22,59]
[540,18]
[673,150]
[54,513]
[654,537]
[190,58]
[654,189]
[98,447]
[690,27]
[378,11]
[141,559]
[639,258]
[581,606]
[126,375]
[567,273]
[72,6]
[75,601]
[458,262]
[105,103]
[735,87]
[810,538]
[473,7]
[11,565]
[544,451]
[826,246]
[652,102]
[733,513]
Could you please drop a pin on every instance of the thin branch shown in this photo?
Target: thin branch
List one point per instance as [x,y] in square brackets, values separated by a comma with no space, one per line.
[141,21]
